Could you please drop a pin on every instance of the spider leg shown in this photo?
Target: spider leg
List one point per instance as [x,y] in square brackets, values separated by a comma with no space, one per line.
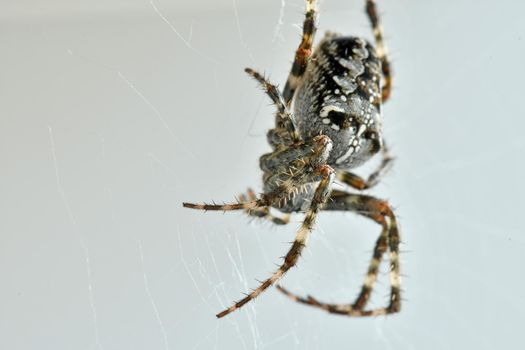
[286,118]
[303,52]
[249,205]
[371,11]
[373,269]
[284,184]
[320,196]
[357,182]
[379,211]
[263,212]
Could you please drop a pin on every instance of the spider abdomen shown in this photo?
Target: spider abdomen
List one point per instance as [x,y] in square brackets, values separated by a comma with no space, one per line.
[340,96]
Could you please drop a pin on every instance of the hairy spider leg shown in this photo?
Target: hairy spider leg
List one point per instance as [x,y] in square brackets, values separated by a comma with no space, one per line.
[252,204]
[359,183]
[286,119]
[290,259]
[379,211]
[381,49]
[264,212]
[285,181]
[303,52]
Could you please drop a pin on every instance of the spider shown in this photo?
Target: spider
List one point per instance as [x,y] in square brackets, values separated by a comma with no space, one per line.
[328,121]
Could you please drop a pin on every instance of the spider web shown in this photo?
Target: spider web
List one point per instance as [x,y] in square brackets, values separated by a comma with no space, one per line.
[214,262]
[114,112]
[158,279]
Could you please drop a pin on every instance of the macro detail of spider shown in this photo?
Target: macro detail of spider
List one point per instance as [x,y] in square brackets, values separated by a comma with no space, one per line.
[328,121]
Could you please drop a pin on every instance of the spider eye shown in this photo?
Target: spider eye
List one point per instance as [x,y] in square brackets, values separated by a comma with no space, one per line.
[337,118]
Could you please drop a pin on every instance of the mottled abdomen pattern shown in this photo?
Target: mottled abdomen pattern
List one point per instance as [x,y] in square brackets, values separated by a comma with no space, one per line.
[340,96]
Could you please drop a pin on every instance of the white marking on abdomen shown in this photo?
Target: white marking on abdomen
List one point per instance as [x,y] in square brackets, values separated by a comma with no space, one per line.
[354,142]
[327,109]
[344,156]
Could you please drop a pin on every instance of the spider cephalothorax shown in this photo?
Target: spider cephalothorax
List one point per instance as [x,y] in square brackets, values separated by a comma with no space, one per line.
[336,94]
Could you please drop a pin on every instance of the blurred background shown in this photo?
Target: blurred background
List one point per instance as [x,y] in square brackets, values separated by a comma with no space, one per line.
[114,112]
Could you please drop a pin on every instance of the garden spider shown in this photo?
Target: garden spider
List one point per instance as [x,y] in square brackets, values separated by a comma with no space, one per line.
[336,94]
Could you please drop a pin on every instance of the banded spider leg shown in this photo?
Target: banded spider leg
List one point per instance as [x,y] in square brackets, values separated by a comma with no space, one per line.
[381,213]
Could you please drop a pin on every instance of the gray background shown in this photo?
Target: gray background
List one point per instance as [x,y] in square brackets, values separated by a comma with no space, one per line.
[114,112]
